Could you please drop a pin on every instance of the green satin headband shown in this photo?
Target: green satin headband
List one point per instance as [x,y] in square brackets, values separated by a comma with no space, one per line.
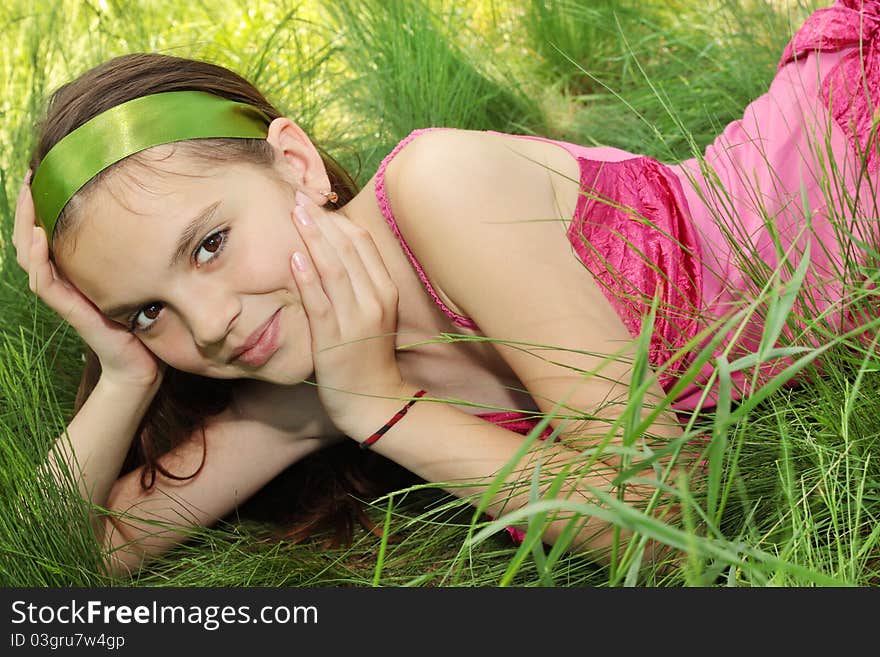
[129,128]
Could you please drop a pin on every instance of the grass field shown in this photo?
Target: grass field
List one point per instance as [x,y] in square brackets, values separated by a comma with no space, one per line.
[791,494]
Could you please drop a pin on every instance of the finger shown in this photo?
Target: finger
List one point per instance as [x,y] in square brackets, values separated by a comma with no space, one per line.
[319,310]
[40,273]
[43,277]
[25,220]
[326,263]
[348,251]
[375,298]
[45,280]
[370,257]
[382,292]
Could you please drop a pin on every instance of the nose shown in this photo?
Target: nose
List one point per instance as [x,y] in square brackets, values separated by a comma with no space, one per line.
[209,311]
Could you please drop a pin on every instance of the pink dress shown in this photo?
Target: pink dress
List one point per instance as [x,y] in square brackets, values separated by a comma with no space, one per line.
[693,232]
[770,168]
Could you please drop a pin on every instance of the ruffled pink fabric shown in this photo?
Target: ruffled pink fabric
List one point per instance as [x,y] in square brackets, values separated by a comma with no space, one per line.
[632,231]
[766,175]
[851,85]
[523,424]
[517,421]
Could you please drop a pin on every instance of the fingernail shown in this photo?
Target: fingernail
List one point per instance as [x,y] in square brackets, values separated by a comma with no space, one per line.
[301,198]
[27,177]
[299,261]
[302,215]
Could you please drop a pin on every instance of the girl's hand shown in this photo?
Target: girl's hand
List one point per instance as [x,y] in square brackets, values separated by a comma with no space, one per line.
[124,358]
[351,303]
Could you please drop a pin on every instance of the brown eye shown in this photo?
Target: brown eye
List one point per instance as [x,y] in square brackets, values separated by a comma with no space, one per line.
[150,312]
[213,244]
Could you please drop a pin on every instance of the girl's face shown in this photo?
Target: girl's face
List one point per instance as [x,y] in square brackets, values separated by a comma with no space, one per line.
[194,291]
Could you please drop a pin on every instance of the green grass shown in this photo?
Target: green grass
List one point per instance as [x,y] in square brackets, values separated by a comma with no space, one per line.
[790,494]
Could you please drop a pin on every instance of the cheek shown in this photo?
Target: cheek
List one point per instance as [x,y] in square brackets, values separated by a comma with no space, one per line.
[264,265]
[177,350]
[172,350]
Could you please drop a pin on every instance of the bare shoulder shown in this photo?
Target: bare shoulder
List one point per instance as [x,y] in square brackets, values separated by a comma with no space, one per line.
[469,170]
[462,195]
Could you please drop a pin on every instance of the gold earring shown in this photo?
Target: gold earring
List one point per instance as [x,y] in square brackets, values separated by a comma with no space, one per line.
[331,196]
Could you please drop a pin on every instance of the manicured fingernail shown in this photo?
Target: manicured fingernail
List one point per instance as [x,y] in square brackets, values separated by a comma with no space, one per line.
[302,215]
[301,199]
[27,177]
[299,260]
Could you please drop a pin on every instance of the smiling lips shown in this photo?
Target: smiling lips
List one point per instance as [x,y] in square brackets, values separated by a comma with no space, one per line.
[261,344]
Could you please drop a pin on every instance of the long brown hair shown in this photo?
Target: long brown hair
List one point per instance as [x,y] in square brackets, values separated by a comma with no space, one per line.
[314,495]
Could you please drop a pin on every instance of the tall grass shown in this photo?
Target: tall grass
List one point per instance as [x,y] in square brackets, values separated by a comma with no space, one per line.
[788,490]
[409,68]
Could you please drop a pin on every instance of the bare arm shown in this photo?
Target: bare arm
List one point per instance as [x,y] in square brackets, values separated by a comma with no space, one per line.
[552,323]
[245,450]
[242,456]
[98,438]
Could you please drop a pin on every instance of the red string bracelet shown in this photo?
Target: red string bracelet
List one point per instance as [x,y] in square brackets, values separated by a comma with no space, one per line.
[372,439]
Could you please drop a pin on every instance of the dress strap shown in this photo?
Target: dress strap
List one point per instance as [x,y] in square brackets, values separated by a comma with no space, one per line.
[385,207]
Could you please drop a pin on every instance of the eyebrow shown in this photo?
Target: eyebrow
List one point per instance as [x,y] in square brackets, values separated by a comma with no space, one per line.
[189,233]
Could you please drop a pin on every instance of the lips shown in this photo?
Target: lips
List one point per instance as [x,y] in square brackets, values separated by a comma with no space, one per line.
[253,339]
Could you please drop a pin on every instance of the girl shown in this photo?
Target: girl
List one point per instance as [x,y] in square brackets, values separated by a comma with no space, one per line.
[246,306]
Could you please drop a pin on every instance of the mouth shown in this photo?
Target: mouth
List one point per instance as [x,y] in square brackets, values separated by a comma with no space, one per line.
[261,344]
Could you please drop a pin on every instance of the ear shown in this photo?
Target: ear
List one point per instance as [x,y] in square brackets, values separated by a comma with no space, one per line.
[299,159]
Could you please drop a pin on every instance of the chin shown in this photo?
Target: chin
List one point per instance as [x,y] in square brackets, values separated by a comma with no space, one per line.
[280,372]
[288,378]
